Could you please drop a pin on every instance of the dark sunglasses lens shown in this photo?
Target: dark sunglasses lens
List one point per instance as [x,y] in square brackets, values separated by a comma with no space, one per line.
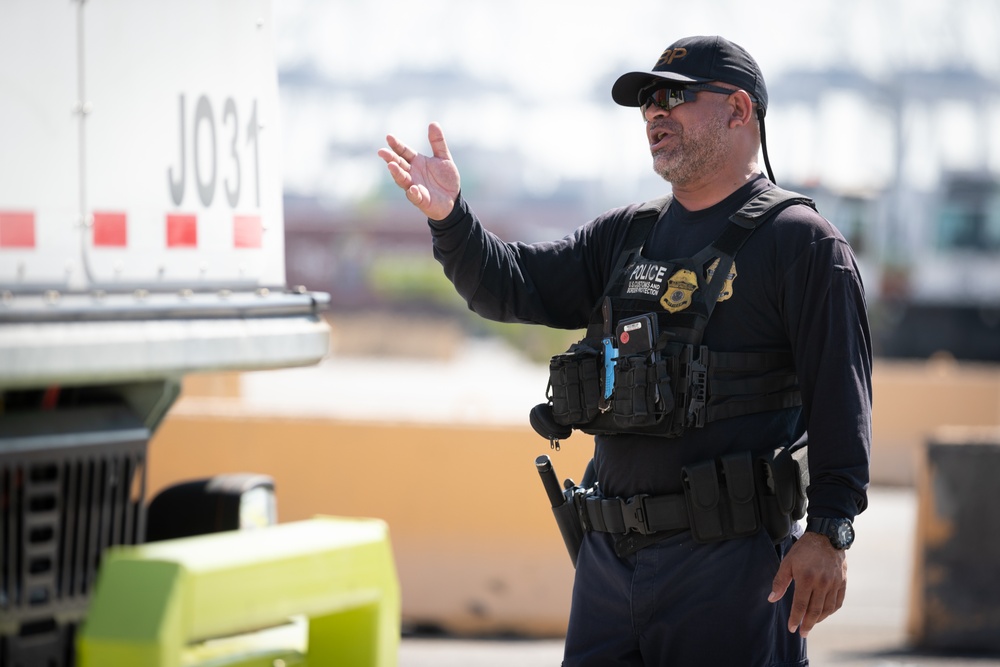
[665,98]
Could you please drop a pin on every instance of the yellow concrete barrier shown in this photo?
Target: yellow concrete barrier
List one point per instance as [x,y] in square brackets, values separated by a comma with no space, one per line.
[913,399]
[155,604]
[476,546]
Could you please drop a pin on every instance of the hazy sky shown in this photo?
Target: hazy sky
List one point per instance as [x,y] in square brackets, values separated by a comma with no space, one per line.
[550,61]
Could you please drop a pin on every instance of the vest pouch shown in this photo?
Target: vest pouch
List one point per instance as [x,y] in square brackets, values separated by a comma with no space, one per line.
[575,383]
[643,396]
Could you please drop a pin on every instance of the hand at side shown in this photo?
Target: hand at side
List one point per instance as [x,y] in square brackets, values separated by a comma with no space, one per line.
[820,575]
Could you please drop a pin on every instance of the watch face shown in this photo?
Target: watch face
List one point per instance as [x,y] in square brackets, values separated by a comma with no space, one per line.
[845,534]
[840,532]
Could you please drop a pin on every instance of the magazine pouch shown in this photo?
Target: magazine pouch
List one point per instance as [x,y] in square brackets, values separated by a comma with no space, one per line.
[575,383]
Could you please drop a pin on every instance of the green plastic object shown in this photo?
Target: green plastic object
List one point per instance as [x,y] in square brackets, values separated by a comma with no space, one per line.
[209,600]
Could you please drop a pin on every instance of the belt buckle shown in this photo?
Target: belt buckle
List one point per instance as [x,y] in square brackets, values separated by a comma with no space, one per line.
[634,514]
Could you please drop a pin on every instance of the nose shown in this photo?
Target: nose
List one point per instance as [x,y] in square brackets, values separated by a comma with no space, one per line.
[654,111]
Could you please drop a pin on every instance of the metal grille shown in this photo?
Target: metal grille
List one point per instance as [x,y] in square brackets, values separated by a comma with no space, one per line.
[58,518]
[60,508]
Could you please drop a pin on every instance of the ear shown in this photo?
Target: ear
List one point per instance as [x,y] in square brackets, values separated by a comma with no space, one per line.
[742,109]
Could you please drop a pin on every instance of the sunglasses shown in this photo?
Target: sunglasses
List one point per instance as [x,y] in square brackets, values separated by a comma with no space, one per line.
[667,98]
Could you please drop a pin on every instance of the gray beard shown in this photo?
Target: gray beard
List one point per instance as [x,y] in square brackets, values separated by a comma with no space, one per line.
[702,153]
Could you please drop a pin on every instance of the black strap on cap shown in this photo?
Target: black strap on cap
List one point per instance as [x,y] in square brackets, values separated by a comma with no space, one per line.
[763,145]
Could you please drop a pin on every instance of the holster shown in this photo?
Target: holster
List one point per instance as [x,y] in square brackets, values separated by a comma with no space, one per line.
[782,479]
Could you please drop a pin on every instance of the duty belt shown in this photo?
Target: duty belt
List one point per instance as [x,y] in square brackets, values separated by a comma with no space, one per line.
[733,496]
[725,498]
[644,514]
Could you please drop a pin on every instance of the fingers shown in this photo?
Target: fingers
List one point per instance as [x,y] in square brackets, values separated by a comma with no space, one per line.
[397,152]
[391,157]
[807,608]
[839,600]
[416,195]
[813,607]
[820,575]
[400,174]
[402,155]
[782,580]
[435,135]
[814,601]
[398,158]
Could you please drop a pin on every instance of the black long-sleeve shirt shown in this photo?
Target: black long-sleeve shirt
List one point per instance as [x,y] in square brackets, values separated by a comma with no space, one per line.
[797,288]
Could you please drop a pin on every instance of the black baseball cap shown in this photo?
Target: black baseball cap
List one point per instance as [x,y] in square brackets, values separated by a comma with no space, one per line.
[696,60]
[701,59]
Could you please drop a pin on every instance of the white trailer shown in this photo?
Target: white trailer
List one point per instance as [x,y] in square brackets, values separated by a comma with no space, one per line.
[141,238]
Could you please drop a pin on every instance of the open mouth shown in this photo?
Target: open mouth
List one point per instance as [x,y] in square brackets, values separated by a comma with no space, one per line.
[658,137]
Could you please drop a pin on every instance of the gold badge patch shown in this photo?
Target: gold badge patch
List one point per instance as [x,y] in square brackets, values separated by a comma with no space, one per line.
[727,287]
[680,287]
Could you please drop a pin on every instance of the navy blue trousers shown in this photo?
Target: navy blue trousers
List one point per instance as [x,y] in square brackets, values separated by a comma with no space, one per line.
[681,604]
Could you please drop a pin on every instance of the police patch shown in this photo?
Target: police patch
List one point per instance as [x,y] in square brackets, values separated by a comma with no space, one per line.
[680,288]
[645,280]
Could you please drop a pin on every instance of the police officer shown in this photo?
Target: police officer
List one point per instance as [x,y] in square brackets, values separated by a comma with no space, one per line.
[793,291]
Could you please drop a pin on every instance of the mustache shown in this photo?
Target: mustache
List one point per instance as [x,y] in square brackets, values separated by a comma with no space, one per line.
[663,125]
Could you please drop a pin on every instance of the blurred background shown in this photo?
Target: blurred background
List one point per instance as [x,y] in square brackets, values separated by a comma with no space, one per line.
[885,112]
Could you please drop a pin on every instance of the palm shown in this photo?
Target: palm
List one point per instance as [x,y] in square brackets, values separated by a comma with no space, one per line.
[437,178]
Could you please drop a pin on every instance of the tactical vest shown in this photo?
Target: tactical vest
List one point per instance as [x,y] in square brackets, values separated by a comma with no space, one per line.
[641,367]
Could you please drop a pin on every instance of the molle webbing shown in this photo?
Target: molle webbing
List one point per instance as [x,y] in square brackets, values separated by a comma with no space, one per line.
[733,383]
[741,383]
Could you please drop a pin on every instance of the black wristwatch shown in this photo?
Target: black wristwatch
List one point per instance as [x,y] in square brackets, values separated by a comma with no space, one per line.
[839,531]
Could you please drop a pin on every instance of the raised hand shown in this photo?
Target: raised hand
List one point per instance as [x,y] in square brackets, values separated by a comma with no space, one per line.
[431,183]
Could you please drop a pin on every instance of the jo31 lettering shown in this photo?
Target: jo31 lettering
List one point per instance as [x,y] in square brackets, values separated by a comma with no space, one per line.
[204,141]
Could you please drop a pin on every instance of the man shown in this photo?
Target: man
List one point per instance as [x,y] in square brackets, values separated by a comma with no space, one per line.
[703,585]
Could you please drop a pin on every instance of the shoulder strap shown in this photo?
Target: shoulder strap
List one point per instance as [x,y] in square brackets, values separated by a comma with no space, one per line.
[638,229]
[768,203]
[653,208]
[755,212]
